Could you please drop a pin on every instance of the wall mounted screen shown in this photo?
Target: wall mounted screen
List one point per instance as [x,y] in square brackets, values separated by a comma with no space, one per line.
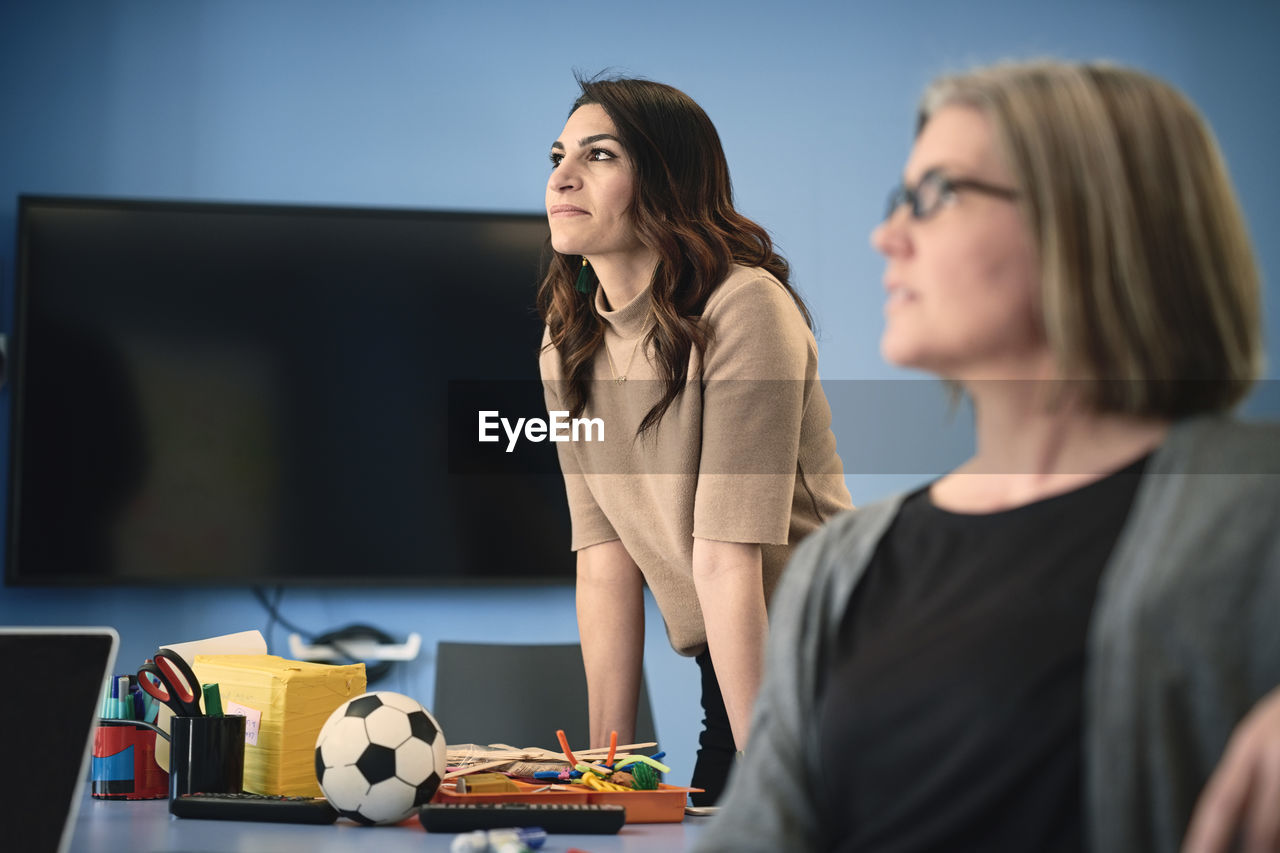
[266,394]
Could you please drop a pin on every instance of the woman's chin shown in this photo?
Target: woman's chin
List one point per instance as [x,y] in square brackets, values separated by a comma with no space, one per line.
[902,354]
[564,243]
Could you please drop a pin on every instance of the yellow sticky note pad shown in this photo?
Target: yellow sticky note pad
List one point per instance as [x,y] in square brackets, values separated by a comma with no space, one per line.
[289,700]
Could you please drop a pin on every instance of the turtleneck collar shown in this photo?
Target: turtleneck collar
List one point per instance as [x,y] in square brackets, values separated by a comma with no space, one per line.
[631,320]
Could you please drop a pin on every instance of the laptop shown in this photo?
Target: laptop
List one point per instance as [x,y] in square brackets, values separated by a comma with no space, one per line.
[57,677]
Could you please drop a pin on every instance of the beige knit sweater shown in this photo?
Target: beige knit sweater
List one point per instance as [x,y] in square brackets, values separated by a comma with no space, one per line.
[744,454]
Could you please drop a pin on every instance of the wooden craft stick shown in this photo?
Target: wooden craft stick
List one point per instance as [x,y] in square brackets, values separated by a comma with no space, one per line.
[627,746]
[475,768]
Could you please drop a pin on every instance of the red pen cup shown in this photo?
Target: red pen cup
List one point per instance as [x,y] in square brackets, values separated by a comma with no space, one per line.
[123,765]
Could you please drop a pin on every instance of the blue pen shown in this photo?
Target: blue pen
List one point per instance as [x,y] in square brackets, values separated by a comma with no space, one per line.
[139,702]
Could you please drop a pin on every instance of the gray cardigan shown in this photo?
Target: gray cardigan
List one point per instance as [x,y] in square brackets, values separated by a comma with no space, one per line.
[1184,639]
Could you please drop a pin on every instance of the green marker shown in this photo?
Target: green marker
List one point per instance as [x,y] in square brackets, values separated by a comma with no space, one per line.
[212,700]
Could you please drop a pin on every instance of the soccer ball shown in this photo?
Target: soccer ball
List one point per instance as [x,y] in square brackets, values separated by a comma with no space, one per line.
[378,757]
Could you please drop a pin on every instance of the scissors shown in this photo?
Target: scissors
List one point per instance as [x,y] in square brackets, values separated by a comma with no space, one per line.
[171,680]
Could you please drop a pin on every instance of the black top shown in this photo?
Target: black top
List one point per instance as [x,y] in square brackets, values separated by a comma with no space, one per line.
[951,716]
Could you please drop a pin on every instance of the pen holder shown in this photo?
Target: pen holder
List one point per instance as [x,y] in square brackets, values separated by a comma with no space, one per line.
[206,755]
[124,763]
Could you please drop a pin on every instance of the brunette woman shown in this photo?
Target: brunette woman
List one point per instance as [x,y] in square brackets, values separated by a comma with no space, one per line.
[672,320]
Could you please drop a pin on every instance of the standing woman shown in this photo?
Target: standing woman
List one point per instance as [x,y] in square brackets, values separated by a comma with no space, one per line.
[1049,647]
[671,319]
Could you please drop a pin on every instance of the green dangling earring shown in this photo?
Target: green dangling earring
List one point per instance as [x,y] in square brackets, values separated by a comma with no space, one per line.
[583,285]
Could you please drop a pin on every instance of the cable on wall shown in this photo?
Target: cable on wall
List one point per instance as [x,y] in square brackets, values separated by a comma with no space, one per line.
[343,641]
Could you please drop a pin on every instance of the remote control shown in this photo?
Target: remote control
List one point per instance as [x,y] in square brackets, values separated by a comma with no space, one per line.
[263,807]
[572,818]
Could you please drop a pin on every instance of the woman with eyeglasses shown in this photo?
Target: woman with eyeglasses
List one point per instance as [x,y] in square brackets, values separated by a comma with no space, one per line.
[671,322]
[1049,647]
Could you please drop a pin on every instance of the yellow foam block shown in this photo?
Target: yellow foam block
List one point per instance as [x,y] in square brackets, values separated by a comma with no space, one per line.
[286,702]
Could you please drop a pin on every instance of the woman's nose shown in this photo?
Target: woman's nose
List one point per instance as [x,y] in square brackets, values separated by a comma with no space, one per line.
[889,237]
[565,177]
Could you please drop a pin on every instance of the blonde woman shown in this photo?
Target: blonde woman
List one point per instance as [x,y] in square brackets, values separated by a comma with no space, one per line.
[1048,647]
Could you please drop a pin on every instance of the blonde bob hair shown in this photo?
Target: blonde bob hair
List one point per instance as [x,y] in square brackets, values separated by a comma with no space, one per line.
[1149,285]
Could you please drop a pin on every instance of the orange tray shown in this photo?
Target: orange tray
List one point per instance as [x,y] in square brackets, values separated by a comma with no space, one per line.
[665,805]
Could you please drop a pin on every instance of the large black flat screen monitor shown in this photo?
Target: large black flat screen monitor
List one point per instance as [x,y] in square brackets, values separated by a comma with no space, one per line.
[266,394]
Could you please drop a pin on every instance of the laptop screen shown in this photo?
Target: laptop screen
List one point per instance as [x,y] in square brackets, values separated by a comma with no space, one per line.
[48,726]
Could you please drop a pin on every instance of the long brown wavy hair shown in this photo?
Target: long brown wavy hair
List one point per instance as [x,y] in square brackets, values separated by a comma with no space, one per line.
[682,208]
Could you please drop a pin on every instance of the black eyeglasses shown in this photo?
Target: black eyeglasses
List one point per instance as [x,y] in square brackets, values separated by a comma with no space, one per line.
[934,189]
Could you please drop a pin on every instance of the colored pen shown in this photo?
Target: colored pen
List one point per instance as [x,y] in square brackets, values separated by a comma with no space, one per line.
[125,706]
[139,698]
[152,707]
[212,700]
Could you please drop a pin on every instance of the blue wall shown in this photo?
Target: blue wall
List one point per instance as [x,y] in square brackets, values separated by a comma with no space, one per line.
[453,105]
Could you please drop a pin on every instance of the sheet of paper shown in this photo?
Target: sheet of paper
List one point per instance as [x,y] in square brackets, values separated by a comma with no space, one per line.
[242,643]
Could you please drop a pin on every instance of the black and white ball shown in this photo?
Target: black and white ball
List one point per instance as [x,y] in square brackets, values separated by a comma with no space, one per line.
[379,756]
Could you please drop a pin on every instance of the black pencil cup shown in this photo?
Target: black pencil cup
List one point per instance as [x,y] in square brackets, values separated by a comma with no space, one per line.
[206,755]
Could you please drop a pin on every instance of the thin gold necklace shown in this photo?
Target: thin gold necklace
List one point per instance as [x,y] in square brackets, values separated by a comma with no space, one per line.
[612,370]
